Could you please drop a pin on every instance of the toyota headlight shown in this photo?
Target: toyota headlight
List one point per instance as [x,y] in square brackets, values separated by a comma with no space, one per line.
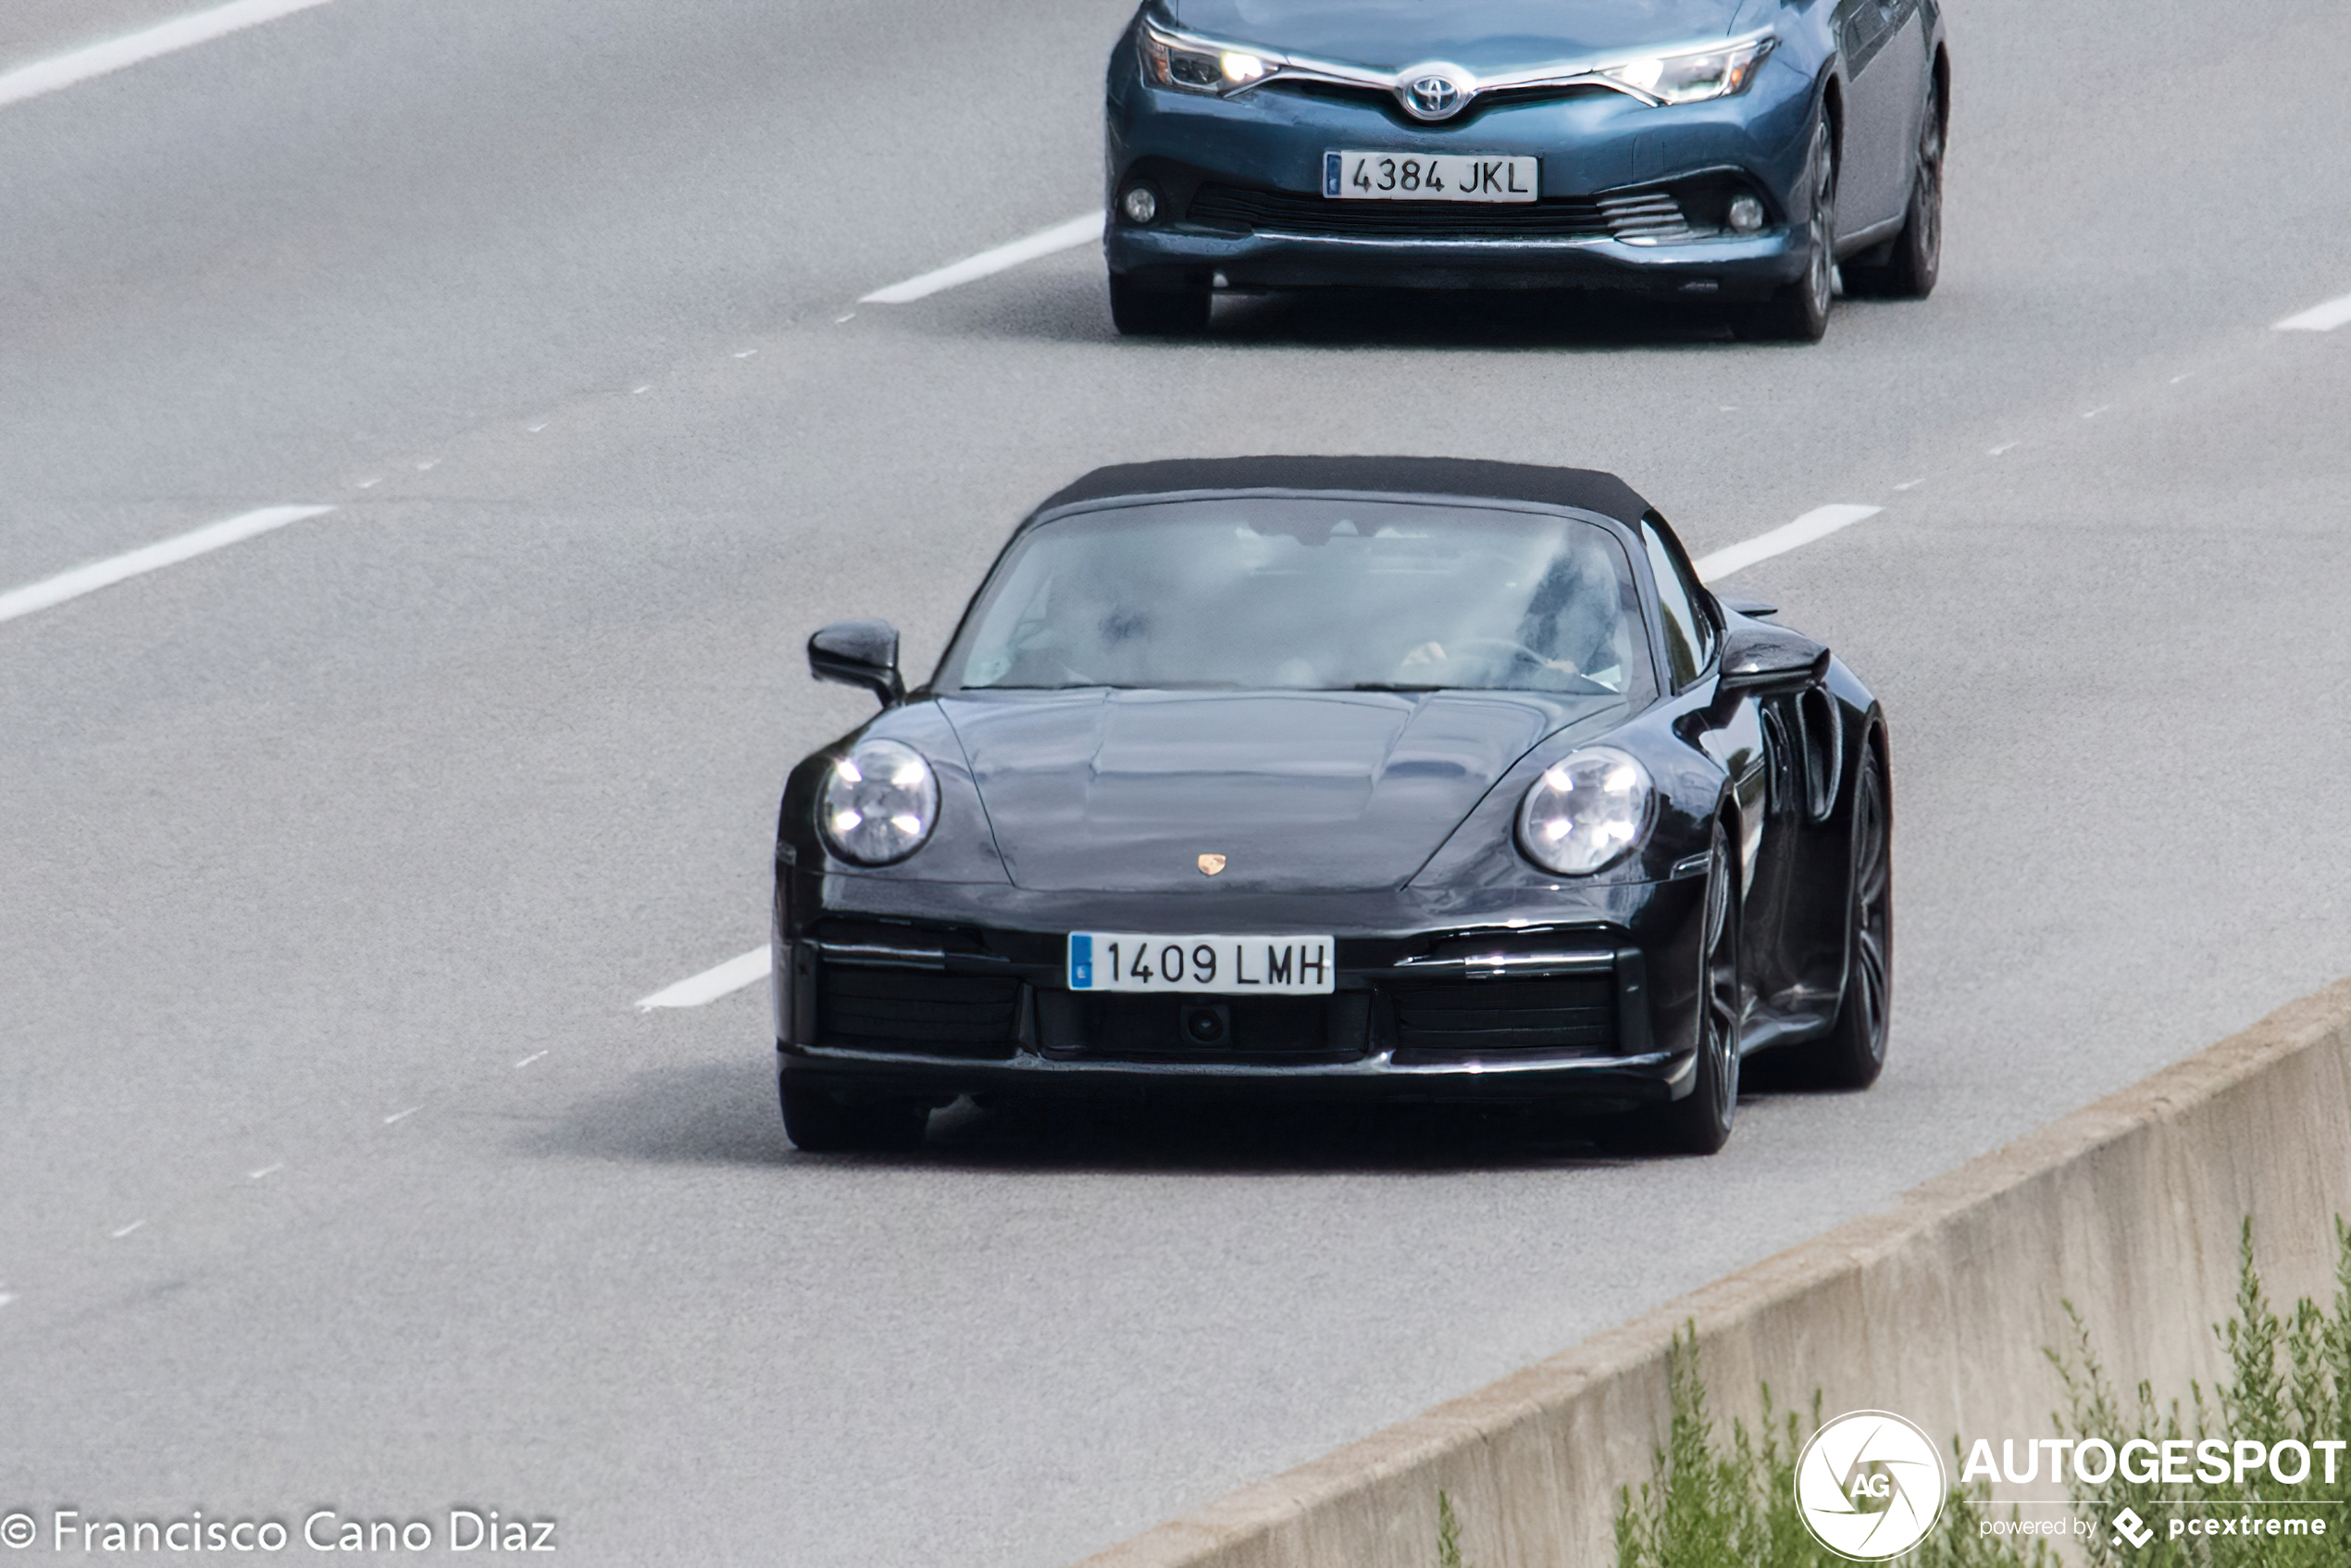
[1695,75]
[881,801]
[1170,61]
[1587,809]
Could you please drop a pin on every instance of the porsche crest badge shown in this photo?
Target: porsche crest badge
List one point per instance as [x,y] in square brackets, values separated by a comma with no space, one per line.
[1210,865]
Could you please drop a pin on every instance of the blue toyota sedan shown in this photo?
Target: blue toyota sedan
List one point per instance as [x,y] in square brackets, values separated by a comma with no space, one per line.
[1730,151]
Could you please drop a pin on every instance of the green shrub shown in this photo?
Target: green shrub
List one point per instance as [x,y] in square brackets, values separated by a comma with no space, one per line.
[1709,1507]
[2289,1378]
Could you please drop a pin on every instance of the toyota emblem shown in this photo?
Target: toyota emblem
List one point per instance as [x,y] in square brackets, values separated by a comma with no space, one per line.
[1433,95]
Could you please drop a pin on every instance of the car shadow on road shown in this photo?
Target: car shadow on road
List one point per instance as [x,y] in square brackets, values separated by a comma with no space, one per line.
[1212,1137]
[724,1112]
[720,1112]
[1500,319]
[1070,309]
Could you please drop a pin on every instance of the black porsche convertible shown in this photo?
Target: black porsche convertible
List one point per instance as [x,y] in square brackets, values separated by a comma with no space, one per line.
[1414,778]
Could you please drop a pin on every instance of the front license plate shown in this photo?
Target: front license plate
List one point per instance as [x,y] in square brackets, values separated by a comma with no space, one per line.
[1424,176]
[1126,961]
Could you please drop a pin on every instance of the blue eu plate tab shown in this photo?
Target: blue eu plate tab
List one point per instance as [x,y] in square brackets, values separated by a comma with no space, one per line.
[1330,174]
[1081,962]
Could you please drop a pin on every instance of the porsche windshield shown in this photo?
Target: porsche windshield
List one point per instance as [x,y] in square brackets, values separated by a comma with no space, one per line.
[1306,594]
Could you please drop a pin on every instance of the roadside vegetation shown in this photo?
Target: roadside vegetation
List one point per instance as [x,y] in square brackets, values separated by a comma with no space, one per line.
[1717,1506]
[2289,1380]
[1713,1503]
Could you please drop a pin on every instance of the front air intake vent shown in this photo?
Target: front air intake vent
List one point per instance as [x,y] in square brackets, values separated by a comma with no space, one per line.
[1286,212]
[871,1008]
[1499,1019]
[1653,216]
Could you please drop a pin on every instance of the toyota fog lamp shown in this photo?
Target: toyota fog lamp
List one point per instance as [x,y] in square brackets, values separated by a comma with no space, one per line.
[1695,76]
[1587,809]
[880,803]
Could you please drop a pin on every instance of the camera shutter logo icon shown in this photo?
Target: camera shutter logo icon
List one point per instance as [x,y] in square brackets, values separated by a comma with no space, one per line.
[1870,1485]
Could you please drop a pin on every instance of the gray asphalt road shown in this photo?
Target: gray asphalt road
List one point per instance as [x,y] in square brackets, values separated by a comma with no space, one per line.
[341,1171]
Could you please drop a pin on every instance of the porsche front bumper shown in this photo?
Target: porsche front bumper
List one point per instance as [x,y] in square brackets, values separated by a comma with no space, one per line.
[1508,1006]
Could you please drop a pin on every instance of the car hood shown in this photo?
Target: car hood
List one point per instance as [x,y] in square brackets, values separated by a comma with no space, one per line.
[1484,36]
[1297,792]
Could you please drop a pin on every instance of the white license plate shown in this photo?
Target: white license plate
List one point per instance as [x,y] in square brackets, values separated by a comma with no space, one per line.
[1126,961]
[1426,176]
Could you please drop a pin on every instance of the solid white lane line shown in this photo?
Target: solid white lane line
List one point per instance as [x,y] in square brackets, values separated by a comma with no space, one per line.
[2318,318]
[1819,523]
[712,984]
[171,551]
[1060,237]
[180,32]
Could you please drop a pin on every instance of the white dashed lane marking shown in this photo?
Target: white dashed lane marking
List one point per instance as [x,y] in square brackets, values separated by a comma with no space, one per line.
[402,1115]
[119,1234]
[266,1171]
[711,984]
[165,38]
[56,590]
[1060,237]
[1819,523]
[2318,318]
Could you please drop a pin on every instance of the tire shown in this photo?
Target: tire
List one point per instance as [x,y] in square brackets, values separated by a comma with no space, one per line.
[1853,1053]
[821,1123]
[1699,1123]
[1139,312]
[1800,313]
[1916,257]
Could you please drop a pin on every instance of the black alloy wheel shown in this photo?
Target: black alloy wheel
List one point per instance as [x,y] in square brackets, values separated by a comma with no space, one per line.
[1853,1053]
[1699,1123]
[822,1123]
[1139,312]
[1800,313]
[1915,255]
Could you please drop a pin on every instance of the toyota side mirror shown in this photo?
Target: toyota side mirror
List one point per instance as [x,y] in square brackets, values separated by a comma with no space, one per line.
[1769,661]
[859,654]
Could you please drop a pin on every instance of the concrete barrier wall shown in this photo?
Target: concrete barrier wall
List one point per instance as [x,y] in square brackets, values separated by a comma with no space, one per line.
[1938,1309]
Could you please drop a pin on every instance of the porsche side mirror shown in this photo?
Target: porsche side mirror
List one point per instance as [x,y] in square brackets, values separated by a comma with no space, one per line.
[859,654]
[1769,661]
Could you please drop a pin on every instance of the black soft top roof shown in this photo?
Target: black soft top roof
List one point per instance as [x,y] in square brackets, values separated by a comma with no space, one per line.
[1587,490]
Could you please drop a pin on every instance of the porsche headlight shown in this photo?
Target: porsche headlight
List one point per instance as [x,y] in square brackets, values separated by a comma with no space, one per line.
[1171,62]
[1587,809]
[881,801]
[1695,75]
